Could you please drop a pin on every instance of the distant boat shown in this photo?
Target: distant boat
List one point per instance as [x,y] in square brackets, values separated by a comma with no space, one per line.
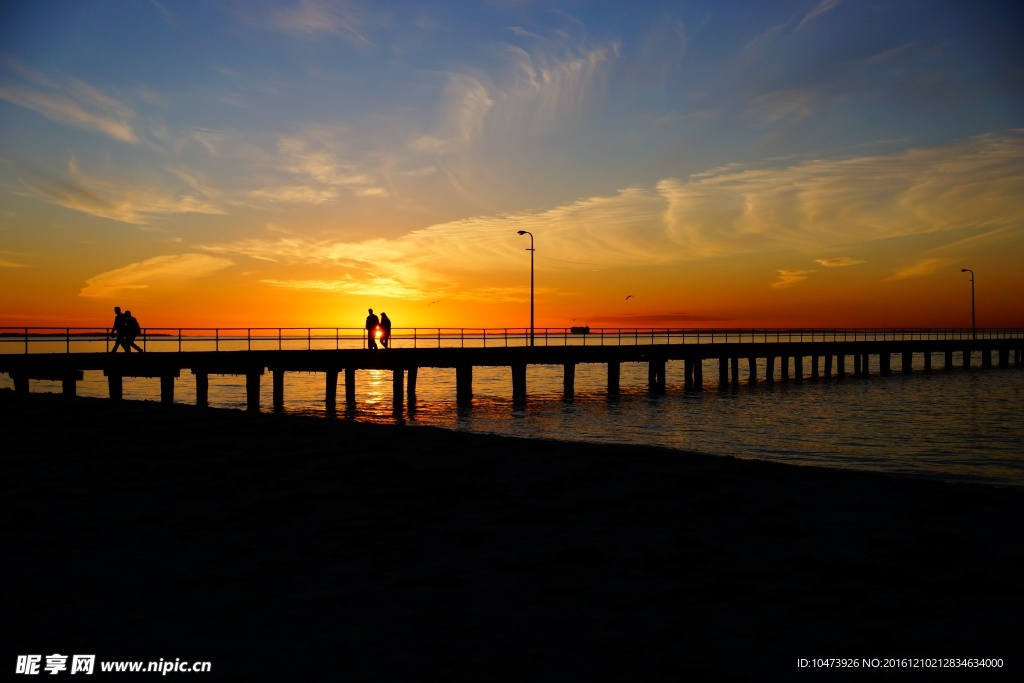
[580,330]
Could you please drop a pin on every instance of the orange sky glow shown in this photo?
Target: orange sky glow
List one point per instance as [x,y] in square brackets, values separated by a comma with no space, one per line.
[770,167]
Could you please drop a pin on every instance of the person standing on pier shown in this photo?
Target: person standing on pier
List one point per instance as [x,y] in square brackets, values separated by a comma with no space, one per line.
[385,329]
[372,323]
[117,331]
[131,331]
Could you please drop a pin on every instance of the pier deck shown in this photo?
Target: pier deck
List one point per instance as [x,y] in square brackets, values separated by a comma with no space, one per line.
[738,360]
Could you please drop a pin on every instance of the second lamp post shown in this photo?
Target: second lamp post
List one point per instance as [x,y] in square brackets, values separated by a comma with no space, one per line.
[531,250]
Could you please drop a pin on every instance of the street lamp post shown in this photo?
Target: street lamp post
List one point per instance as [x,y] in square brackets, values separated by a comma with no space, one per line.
[974,328]
[531,250]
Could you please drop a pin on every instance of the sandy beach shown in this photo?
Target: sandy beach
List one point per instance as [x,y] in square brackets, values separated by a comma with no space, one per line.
[293,548]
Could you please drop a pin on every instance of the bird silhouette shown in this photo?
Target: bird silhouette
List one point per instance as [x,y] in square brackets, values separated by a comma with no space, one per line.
[629,297]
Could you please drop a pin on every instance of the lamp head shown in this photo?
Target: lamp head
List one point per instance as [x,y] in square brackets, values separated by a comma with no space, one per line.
[521,232]
[963,270]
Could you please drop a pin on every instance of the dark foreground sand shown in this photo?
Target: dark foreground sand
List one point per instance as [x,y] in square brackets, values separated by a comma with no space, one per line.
[287,548]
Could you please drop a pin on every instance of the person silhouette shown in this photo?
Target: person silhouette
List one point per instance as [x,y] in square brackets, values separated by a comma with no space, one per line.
[131,331]
[385,328]
[372,322]
[117,331]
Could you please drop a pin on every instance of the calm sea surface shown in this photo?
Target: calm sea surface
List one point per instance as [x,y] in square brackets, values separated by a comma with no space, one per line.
[958,425]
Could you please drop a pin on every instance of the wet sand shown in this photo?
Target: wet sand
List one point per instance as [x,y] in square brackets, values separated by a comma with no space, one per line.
[291,548]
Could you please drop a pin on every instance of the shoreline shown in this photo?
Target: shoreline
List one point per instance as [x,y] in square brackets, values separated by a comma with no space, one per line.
[285,545]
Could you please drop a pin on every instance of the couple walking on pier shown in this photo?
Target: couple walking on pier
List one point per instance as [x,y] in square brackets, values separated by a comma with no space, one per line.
[124,330]
[378,328]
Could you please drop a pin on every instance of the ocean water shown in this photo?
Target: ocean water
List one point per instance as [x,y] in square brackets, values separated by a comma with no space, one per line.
[958,425]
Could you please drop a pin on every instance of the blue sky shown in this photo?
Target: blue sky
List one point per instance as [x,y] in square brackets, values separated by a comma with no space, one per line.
[311,152]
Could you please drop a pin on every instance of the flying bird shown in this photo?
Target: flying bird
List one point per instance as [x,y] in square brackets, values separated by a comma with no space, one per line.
[629,297]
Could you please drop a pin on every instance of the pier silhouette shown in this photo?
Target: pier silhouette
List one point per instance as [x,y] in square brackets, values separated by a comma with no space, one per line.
[743,355]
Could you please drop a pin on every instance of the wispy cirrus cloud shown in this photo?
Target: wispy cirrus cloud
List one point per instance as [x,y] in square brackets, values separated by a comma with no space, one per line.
[310,19]
[838,262]
[384,287]
[821,8]
[789,277]
[922,268]
[68,101]
[741,209]
[156,272]
[136,201]
[821,203]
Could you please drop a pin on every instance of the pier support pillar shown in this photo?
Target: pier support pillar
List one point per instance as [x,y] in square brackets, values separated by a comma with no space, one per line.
[828,366]
[986,358]
[815,373]
[252,390]
[769,369]
[331,391]
[398,390]
[21,382]
[167,389]
[278,390]
[840,366]
[614,372]
[908,362]
[569,381]
[967,359]
[464,384]
[735,363]
[115,385]
[752,367]
[928,361]
[518,384]
[350,388]
[202,389]
[856,364]
[948,361]
[723,371]
[798,369]
[885,363]
[688,374]
[410,388]
[1004,358]
[698,374]
[785,368]
[656,376]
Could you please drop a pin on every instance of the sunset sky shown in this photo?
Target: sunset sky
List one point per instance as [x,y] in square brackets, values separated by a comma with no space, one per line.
[721,163]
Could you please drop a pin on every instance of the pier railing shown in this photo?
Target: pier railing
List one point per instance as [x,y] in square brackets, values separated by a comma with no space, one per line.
[79,340]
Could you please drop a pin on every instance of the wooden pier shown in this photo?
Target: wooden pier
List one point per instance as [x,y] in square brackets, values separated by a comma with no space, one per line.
[737,361]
